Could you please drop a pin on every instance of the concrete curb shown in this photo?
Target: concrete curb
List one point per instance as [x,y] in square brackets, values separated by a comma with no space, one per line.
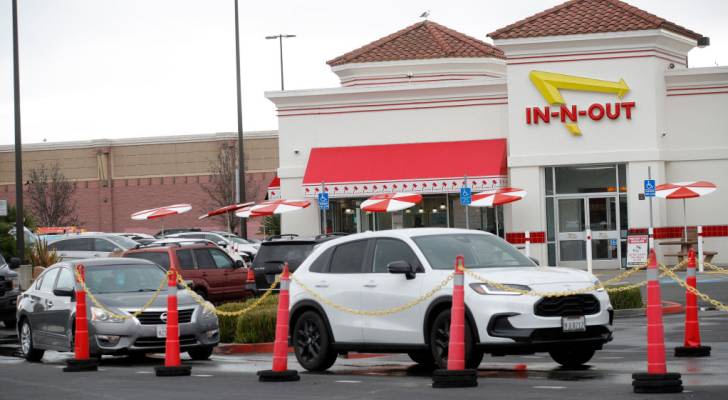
[668,307]
[267,348]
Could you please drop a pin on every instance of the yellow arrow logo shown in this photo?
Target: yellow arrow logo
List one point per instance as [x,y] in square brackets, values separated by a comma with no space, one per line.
[550,84]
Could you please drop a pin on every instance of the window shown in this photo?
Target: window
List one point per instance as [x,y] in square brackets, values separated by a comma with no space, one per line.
[185,259]
[204,259]
[65,280]
[348,258]
[321,264]
[49,278]
[104,245]
[159,258]
[214,238]
[390,250]
[221,259]
[480,251]
[191,236]
[85,244]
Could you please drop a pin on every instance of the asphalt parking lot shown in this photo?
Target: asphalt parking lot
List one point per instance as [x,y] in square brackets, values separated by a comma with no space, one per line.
[608,376]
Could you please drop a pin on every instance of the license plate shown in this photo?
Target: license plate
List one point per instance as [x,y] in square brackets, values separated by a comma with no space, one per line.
[161,331]
[573,324]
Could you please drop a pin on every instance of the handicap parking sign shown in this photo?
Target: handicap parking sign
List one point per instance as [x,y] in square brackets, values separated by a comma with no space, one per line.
[465,196]
[649,188]
[323,200]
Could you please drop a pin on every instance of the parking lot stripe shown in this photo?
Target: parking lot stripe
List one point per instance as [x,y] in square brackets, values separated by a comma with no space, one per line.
[201,375]
[550,387]
[348,381]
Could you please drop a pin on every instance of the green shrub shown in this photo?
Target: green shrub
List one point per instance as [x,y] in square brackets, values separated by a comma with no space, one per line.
[631,298]
[256,326]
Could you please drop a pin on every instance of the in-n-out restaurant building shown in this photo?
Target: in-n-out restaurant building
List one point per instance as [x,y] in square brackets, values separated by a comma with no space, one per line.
[573,104]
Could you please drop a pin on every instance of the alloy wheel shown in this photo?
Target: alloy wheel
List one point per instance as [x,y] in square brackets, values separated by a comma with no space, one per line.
[441,340]
[25,338]
[308,339]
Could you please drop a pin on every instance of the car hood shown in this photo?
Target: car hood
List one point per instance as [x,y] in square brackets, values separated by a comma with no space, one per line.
[136,300]
[535,276]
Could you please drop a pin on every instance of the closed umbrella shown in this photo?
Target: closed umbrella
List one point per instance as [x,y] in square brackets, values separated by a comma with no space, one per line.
[495,198]
[390,202]
[225,210]
[161,212]
[684,190]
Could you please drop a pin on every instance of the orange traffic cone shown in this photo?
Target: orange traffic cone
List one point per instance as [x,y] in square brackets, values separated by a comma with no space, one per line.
[456,375]
[172,364]
[280,371]
[692,346]
[657,379]
[81,361]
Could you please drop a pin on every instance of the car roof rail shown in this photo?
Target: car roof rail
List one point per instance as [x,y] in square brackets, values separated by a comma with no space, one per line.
[161,244]
[281,236]
[331,235]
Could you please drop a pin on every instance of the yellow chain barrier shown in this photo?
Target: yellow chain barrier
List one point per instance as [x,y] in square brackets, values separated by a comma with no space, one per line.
[375,313]
[715,303]
[132,315]
[210,307]
[716,268]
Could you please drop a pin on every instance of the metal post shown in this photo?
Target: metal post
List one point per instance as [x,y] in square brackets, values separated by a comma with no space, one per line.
[685,221]
[280,48]
[649,176]
[589,251]
[528,244]
[19,224]
[700,249]
[323,190]
[241,151]
[467,219]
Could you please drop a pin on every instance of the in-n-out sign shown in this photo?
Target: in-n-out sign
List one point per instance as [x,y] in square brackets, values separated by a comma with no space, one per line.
[550,84]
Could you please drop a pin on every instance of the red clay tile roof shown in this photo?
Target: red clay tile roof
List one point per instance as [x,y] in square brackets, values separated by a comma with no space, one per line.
[423,40]
[588,16]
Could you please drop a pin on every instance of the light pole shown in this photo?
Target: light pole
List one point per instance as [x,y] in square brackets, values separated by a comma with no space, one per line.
[241,152]
[19,231]
[280,37]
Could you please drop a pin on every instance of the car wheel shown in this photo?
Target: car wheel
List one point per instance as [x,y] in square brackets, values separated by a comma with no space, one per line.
[422,357]
[200,353]
[312,342]
[572,357]
[10,323]
[26,343]
[440,339]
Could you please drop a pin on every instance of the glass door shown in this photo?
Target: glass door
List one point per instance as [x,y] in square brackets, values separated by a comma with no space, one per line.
[603,219]
[600,214]
[571,231]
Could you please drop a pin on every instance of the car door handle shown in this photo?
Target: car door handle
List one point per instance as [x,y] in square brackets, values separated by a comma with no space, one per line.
[370,284]
[323,284]
[96,255]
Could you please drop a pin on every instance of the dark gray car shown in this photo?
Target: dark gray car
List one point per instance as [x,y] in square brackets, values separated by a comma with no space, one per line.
[46,311]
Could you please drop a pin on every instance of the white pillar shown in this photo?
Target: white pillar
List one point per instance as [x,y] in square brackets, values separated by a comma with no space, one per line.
[700,248]
[528,244]
[589,251]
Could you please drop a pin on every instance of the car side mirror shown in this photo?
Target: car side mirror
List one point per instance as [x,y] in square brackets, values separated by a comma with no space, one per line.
[222,243]
[64,292]
[402,267]
[14,263]
[535,260]
[239,264]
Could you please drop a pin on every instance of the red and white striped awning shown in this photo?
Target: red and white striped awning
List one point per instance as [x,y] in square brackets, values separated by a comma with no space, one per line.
[161,212]
[684,190]
[390,202]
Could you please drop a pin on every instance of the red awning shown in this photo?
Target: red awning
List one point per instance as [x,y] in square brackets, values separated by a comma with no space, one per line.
[274,189]
[437,167]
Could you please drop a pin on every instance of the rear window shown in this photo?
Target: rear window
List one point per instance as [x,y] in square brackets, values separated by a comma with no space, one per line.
[159,258]
[293,253]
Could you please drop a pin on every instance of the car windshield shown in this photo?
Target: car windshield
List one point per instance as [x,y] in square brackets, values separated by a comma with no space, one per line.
[124,278]
[123,242]
[294,254]
[480,251]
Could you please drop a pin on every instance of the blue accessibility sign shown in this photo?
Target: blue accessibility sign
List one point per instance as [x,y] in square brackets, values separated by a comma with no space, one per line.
[649,188]
[323,200]
[466,194]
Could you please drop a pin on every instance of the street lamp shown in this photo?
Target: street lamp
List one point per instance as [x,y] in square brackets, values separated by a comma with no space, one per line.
[280,37]
[241,152]
[19,223]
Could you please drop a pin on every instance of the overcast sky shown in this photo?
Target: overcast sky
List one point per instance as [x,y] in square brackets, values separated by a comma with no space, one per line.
[93,69]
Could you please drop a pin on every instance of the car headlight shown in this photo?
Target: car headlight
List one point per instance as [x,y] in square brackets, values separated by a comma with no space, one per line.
[208,309]
[598,283]
[100,315]
[484,288]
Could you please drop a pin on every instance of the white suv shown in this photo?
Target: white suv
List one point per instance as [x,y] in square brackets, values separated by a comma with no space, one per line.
[380,270]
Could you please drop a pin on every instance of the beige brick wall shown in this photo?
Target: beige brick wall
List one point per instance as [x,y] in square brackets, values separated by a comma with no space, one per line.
[76,164]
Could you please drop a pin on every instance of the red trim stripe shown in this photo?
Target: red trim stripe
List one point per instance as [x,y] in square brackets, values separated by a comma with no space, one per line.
[392,109]
[406,103]
[694,94]
[595,53]
[419,76]
[594,59]
[697,88]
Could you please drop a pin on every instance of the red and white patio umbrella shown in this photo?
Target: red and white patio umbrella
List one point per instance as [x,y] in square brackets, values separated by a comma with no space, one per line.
[495,198]
[272,207]
[161,212]
[225,210]
[682,191]
[390,202]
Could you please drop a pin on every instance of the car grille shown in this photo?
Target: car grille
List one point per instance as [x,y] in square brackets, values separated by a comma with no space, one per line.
[184,340]
[153,317]
[581,304]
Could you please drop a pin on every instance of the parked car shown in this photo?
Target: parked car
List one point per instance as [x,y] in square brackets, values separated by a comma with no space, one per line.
[224,240]
[46,312]
[187,241]
[216,276]
[135,236]
[9,290]
[280,249]
[94,245]
[381,270]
